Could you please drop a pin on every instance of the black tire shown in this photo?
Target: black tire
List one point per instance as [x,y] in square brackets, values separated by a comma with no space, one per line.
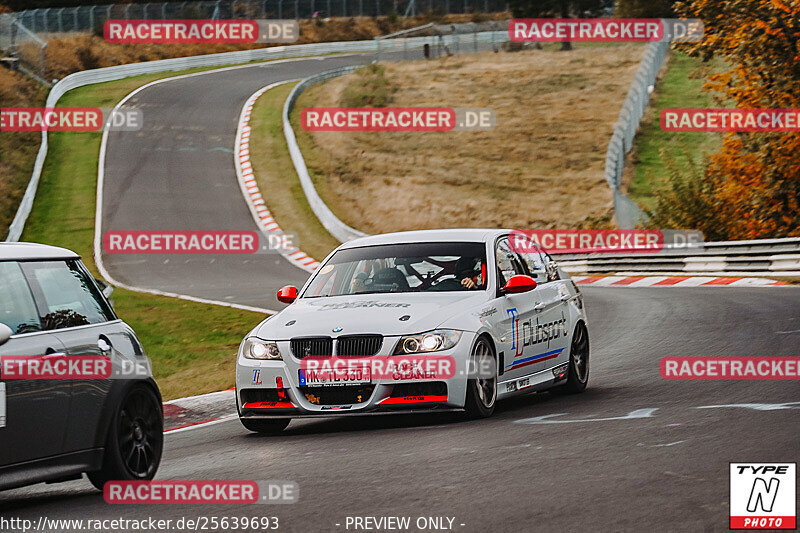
[578,372]
[482,391]
[266,427]
[135,439]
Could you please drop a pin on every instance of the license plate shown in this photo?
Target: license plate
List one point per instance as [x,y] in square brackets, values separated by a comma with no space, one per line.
[328,378]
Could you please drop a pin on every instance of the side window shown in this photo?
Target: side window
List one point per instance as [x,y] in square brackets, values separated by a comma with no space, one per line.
[508,263]
[550,267]
[65,294]
[536,265]
[17,308]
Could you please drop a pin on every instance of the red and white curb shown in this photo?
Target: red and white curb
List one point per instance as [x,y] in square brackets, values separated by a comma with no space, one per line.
[199,411]
[252,194]
[673,281]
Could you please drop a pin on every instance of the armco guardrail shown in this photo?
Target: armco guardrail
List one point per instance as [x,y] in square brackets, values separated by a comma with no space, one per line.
[331,222]
[627,213]
[776,257]
[88,77]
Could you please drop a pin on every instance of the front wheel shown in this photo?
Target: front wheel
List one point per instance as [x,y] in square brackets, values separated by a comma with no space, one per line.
[482,390]
[578,373]
[135,439]
[266,427]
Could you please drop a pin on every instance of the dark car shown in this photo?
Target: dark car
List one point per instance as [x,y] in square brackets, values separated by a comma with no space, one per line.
[58,429]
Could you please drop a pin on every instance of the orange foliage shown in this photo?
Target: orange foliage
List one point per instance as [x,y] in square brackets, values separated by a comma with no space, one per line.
[755,177]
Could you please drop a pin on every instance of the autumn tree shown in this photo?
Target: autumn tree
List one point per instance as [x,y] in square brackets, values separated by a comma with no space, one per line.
[752,183]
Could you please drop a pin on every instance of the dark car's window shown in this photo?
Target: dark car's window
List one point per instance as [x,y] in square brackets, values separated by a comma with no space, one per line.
[66,295]
[17,308]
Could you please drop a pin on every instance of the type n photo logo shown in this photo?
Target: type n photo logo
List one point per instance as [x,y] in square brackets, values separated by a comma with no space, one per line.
[763,495]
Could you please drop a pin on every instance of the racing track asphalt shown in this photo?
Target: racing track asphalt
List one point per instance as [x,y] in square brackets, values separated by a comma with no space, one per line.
[177,173]
[668,472]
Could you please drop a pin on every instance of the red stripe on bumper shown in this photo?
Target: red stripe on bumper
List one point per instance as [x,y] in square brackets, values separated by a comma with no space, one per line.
[431,398]
[269,405]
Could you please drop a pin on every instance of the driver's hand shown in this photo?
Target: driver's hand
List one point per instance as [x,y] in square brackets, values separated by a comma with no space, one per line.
[468,283]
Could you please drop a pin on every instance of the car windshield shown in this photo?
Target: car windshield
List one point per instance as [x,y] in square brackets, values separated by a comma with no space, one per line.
[417,267]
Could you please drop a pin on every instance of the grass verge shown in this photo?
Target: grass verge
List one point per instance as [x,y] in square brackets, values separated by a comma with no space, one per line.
[654,150]
[192,345]
[541,166]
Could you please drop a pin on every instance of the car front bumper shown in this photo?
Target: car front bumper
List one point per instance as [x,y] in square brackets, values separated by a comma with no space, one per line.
[272,389]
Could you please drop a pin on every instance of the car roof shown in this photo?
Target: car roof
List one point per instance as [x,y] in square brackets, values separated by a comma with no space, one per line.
[22,251]
[428,235]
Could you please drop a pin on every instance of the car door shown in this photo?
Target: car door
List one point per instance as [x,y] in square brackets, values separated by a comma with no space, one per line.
[553,314]
[74,310]
[520,314]
[36,410]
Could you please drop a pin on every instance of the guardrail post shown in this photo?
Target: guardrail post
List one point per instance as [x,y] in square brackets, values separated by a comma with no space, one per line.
[127,11]
[344,8]
[163,11]
[91,18]
[377,8]
[329,13]
[61,20]
[360,8]
[75,19]
[313,5]
[297,9]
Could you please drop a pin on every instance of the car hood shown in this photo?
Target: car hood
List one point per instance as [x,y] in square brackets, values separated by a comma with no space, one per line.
[367,313]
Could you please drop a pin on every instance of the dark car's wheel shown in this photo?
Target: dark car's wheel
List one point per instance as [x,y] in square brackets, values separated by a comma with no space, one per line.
[266,427]
[578,373]
[135,439]
[482,390]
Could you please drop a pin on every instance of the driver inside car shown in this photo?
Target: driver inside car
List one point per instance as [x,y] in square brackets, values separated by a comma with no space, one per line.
[469,272]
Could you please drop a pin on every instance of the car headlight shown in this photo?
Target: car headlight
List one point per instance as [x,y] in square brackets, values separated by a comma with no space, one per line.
[431,341]
[257,349]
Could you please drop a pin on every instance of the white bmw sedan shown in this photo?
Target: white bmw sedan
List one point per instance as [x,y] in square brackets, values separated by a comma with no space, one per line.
[436,320]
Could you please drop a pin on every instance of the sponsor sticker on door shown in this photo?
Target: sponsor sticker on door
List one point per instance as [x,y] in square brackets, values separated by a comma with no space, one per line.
[763,496]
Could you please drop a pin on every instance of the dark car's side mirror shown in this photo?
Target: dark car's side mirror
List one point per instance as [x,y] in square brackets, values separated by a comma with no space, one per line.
[5,333]
[519,283]
[287,294]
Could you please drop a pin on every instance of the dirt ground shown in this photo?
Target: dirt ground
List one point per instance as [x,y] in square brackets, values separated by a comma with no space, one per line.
[540,167]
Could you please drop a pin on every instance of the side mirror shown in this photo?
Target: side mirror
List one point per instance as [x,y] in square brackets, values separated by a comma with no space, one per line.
[287,294]
[519,283]
[104,287]
[5,333]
